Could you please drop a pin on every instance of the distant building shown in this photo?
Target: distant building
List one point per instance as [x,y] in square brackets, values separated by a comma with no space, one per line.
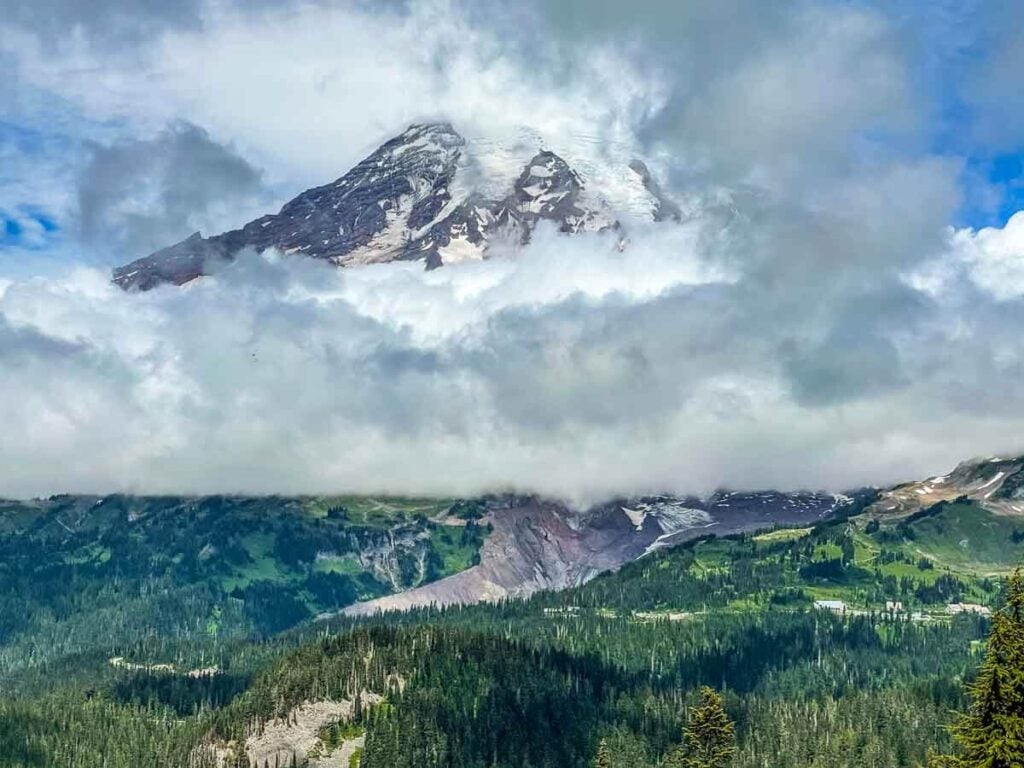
[837,607]
[893,606]
[563,609]
[954,608]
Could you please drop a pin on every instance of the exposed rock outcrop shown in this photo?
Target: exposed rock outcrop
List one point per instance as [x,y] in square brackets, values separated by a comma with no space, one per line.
[537,545]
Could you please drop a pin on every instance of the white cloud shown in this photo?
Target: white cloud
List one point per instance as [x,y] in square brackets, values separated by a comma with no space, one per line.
[307,91]
[994,257]
[574,370]
[771,340]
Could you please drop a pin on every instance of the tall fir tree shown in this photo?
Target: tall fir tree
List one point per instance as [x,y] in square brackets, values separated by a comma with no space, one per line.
[710,736]
[991,733]
[604,758]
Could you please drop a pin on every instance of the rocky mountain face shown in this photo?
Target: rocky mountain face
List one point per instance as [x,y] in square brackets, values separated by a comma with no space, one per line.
[995,483]
[426,195]
[539,545]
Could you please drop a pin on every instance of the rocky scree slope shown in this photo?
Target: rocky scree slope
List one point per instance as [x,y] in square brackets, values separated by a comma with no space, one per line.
[540,545]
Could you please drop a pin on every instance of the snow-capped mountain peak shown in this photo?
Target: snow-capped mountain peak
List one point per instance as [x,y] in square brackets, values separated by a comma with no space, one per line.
[426,194]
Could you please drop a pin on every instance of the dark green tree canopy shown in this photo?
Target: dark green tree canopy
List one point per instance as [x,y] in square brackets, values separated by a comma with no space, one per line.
[991,733]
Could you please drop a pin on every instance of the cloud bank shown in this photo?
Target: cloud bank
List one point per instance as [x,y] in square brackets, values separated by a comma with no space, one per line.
[573,370]
[814,322]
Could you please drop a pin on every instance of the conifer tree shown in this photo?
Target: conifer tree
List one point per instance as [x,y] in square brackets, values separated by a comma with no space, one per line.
[710,736]
[991,733]
[603,759]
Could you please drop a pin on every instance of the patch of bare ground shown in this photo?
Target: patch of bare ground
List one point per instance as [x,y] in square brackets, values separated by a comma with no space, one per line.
[294,739]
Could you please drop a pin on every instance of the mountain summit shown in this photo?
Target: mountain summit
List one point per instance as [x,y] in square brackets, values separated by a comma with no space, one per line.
[426,195]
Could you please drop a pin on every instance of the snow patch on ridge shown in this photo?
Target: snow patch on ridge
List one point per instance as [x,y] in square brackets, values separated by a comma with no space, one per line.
[672,517]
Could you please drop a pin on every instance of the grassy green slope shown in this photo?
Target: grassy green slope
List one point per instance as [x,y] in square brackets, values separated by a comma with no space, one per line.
[966,538]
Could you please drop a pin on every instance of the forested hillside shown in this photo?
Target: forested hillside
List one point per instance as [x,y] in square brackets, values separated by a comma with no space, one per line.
[542,682]
[184,578]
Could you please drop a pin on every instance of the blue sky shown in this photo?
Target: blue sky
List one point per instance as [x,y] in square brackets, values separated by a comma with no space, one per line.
[954,44]
[37,180]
